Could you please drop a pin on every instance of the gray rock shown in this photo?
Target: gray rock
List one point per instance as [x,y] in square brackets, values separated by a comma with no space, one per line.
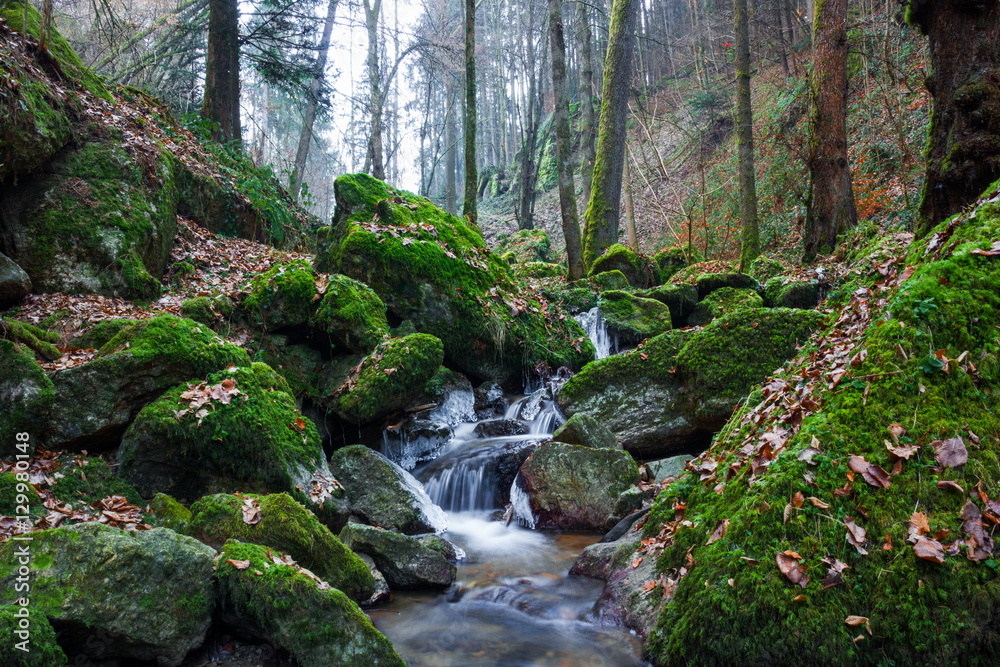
[382,592]
[582,429]
[404,560]
[497,428]
[26,398]
[14,282]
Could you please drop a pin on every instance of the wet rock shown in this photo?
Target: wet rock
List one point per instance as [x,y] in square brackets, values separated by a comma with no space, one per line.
[489,401]
[582,429]
[383,494]
[571,487]
[496,428]
[26,397]
[415,441]
[382,592]
[320,626]
[673,466]
[14,282]
[633,319]
[405,561]
[154,603]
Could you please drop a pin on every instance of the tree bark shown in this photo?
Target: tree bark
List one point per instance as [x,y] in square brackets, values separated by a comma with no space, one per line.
[604,209]
[376,159]
[450,156]
[471,174]
[750,241]
[585,51]
[831,207]
[963,151]
[312,103]
[222,70]
[564,143]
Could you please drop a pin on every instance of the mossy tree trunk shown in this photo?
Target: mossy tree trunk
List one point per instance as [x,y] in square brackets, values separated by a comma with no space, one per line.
[585,49]
[451,149]
[963,151]
[604,209]
[375,159]
[222,70]
[750,241]
[831,207]
[564,143]
[471,176]
[312,103]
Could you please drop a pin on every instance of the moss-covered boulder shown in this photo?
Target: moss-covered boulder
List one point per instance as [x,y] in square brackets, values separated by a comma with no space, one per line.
[671,260]
[721,301]
[575,297]
[281,523]
[582,429]
[27,638]
[238,430]
[434,269]
[16,496]
[131,370]
[26,396]
[283,295]
[727,359]
[208,310]
[36,339]
[98,334]
[632,318]
[781,292]
[392,375]
[638,270]
[406,562]
[318,625]
[148,594]
[166,512]
[540,270]
[383,494]
[680,299]
[90,480]
[572,487]
[921,568]
[766,267]
[526,245]
[352,314]
[610,280]
[709,282]
[638,397]
[14,282]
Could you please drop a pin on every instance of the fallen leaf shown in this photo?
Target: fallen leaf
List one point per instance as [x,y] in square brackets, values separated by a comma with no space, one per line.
[801,597]
[251,511]
[795,571]
[902,451]
[816,502]
[834,573]
[917,527]
[950,453]
[856,620]
[896,431]
[650,585]
[798,499]
[929,550]
[300,423]
[720,530]
[979,541]
[951,486]
[637,562]
[238,564]
[856,535]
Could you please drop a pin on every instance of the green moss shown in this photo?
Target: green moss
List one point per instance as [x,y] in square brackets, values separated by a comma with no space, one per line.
[182,341]
[27,394]
[199,309]
[318,627]
[40,642]
[525,245]
[610,280]
[168,513]
[90,480]
[574,299]
[781,292]
[671,260]
[540,270]
[633,318]
[286,525]
[638,270]
[680,299]
[9,505]
[99,334]
[721,301]
[390,377]
[766,267]
[283,296]
[352,314]
[38,340]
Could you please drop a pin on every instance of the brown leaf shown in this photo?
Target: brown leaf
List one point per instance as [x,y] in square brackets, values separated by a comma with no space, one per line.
[951,486]
[856,535]
[798,499]
[917,527]
[858,464]
[902,451]
[896,431]
[856,620]
[834,573]
[950,453]
[637,562]
[650,585]
[888,543]
[720,530]
[980,543]
[300,423]
[238,564]
[251,511]
[794,570]
[929,550]
[992,251]
[816,502]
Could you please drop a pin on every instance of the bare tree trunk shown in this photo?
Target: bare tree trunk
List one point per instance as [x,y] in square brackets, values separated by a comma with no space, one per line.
[630,233]
[585,50]
[831,200]
[46,26]
[564,143]
[750,241]
[450,151]
[471,174]
[309,118]
[375,151]
[604,209]
[222,70]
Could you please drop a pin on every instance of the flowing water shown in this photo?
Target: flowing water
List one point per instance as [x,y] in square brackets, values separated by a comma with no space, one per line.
[513,603]
[593,323]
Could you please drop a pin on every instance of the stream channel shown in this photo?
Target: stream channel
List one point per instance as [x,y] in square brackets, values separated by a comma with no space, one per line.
[513,603]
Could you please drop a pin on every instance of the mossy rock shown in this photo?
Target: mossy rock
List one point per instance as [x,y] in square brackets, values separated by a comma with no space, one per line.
[168,513]
[97,221]
[765,267]
[14,282]
[131,370]
[256,442]
[573,298]
[921,612]
[285,525]
[633,318]
[27,638]
[572,487]
[540,270]
[97,335]
[26,397]
[18,497]
[525,245]
[90,480]
[781,292]
[302,366]
[680,299]
[638,270]
[709,282]
[319,627]
[208,310]
[383,494]
[352,314]
[721,301]
[154,603]
[434,269]
[671,260]
[38,340]
[582,429]
[390,377]
[405,561]
[283,295]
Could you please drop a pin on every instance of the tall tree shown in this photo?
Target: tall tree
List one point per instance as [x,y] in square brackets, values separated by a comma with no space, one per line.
[451,151]
[222,70]
[750,239]
[564,143]
[963,153]
[375,159]
[312,102]
[585,54]
[831,207]
[604,209]
[471,175]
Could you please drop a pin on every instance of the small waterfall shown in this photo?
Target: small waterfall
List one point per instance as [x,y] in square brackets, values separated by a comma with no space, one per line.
[466,487]
[593,323]
[522,505]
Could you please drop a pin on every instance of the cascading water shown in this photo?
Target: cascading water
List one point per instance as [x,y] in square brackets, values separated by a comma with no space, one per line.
[596,327]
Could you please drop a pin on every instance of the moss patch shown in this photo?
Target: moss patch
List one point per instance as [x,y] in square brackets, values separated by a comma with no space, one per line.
[42,649]
[638,270]
[352,314]
[26,396]
[283,295]
[721,301]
